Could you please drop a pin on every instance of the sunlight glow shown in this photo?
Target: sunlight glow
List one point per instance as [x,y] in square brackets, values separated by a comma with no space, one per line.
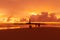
[33,13]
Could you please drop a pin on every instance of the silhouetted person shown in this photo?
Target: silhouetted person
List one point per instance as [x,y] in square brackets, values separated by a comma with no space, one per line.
[38,25]
[30,24]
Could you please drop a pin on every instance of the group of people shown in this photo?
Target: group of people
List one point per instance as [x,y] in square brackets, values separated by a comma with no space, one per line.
[44,17]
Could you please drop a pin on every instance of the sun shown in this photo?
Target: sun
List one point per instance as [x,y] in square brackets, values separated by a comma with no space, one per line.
[33,13]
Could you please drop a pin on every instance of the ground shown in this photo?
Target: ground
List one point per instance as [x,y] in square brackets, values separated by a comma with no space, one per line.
[43,33]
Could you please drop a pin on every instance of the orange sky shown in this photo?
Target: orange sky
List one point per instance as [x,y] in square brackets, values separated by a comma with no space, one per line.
[25,7]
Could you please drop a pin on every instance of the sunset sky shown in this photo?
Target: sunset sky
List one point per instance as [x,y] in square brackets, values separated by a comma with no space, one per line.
[22,8]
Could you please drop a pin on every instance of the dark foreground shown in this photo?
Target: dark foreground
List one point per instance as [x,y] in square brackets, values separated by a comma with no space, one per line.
[31,34]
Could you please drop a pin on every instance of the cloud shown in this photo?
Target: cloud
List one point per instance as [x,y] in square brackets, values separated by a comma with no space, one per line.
[25,6]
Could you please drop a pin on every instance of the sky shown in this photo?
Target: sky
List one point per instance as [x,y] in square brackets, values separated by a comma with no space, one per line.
[22,8]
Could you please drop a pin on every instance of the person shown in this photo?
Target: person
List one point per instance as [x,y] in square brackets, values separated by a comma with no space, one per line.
[30,24]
